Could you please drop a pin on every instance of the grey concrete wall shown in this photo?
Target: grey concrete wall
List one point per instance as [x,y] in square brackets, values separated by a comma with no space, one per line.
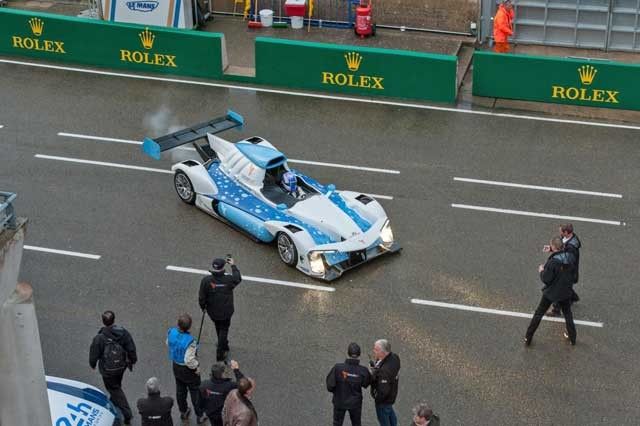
[23,389]
[449,15]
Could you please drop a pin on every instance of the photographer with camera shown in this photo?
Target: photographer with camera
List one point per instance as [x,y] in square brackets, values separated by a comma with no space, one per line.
[216,296]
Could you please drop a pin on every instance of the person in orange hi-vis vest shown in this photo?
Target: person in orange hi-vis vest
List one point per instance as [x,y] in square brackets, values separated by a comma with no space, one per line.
[503,26]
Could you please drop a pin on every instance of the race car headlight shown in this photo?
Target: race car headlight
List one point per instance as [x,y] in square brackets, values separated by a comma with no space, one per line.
[386,234]
[316,263]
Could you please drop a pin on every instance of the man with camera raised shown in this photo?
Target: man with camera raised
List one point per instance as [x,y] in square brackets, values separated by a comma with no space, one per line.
[216,296]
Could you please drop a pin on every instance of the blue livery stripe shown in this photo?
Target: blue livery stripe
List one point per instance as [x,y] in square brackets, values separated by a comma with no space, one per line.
[113,10]
[88,394]
[235,195]
[176,15]
[342,205]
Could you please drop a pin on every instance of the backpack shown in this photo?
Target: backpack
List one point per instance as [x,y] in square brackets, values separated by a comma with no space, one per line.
[114,357]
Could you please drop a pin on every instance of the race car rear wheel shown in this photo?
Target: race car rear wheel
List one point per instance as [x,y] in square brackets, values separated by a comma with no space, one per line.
[184,188]
[287,249]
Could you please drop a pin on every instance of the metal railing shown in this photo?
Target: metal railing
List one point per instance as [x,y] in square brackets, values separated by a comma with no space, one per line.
[7,215]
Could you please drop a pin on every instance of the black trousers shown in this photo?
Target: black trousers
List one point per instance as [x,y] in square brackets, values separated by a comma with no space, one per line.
[544,304]
[355,414]
[187,381]
[222,331]
[113,384]
[216,420]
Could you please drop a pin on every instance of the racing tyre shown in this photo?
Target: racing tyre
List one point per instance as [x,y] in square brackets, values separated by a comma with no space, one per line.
[184,188]
[287,249]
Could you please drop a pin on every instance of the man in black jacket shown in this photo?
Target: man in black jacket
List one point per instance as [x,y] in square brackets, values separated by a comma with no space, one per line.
[558,275]
[572,244]
[214,391]
[155,410]
[113,350]
[216,296]
[384,382]
[346,381]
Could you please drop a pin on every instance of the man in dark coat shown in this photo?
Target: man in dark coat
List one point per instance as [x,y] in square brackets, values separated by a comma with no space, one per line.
[346,381]
[558,275]
[114,351]
[214,391]
[216,296]
[155,410]
[572,244]
[384,382]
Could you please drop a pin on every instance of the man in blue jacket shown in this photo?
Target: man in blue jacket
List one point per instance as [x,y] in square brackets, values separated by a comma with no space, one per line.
[184,357]
[557,275]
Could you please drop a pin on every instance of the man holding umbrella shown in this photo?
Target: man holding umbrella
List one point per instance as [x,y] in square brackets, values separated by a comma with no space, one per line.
[183,352]
[216,296]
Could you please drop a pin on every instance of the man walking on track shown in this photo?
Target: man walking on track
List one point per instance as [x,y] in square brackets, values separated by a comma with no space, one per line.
[557,274]
[183,353]
[216,296]
[114,351]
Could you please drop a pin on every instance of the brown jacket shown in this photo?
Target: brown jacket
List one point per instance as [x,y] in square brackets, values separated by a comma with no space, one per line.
[236,412]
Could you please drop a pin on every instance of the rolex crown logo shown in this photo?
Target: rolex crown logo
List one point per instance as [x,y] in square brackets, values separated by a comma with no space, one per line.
[353,60]
[37,26]
[587,73]
[147,38]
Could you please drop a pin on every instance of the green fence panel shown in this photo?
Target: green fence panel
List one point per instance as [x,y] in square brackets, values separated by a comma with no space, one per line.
[570,81]
[92,42]
[356,70]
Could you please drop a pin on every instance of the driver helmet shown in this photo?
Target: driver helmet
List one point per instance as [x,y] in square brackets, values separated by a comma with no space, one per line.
[290,182]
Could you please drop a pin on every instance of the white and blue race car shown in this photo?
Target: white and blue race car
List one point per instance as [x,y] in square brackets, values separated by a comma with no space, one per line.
[73,403]
[248,184]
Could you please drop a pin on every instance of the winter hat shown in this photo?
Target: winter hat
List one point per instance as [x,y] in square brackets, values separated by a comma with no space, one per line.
[218,265]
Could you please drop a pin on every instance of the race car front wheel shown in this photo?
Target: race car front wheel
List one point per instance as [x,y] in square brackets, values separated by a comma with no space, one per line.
[287,249]
[184,188]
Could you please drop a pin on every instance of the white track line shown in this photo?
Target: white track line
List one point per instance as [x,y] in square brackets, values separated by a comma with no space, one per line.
[64,252]
[382,197]
[345,166]
[116,140]
[102,163]
[98,138]
[256,279]
[315,163]
[534,214]
[541,188]
[145,169]
[319,96]
[498,312]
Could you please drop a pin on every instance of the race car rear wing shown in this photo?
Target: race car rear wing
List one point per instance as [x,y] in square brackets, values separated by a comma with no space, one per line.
[153,147]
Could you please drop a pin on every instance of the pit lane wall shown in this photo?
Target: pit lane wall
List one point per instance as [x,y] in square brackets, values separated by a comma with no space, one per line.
[91,42]
[356,70]
[571,81]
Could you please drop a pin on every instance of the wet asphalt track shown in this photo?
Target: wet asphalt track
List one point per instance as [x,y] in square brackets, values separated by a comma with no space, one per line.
[472,367]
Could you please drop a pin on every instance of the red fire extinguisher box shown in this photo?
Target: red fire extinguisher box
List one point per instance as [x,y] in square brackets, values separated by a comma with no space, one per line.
[295,7]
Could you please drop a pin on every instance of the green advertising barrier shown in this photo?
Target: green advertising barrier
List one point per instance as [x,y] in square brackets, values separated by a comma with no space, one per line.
[356,70]
[132,47]
[570,81]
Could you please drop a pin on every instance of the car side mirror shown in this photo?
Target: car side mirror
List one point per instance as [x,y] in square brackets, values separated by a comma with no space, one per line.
[281,206]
